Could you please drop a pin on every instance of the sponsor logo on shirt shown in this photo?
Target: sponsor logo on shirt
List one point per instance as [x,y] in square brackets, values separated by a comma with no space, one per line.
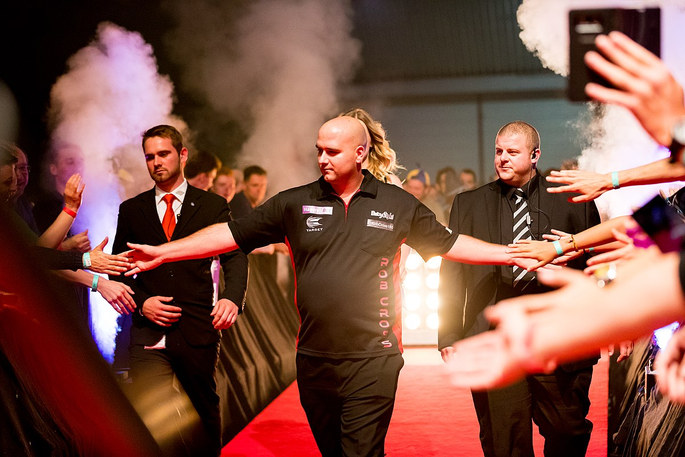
[379,225]
[314,224]
[310,209]
[384,215]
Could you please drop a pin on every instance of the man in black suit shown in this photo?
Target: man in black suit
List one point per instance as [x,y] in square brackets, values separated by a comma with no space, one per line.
[175,331]
[516,206]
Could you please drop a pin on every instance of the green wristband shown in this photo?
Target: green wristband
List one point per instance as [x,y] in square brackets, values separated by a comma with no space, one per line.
[557,246]
[86,260]
[614,179]
[94,286]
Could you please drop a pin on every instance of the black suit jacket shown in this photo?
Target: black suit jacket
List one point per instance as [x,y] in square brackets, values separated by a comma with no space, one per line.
[188,281]
[466,290]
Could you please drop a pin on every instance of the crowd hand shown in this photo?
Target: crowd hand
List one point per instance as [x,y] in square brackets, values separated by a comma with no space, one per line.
[541,253]
[117,294]
[625,349]
[588,184]
[110,264]
[73,192]
[157,310]
[79,242]
[627,252]
[670,368]
[484,361]
[225,313]
[644,84]
[143,257]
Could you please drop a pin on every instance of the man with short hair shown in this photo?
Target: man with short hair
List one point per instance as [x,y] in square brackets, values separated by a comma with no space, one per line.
[344,231]
[225,183]
[255,181]
[517,206]
[201,170]
[175,331]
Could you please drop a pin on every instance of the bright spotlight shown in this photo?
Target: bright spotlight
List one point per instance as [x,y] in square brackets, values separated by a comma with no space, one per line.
[433,281]
[434,263]
[412,281]
[433,301]
[413,301]
[432,321]
[412,321]
[414,261]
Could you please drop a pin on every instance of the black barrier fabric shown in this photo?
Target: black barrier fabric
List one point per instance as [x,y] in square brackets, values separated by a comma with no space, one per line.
[257,358]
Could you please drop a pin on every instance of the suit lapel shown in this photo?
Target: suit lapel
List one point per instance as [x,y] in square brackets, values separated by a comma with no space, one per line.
[492,208]
[545,200]
[148,210]
[191,204]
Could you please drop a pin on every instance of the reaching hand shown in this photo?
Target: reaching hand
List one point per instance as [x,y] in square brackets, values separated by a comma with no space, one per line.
[225,313]
[644,84]
[143,257]
[587,183]
[110,264]
[670,368]
[542,253]
[117,294]
[73,192]
[79,243]
[158,311]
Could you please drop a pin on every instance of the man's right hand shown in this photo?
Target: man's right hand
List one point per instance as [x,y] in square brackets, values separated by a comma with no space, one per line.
[157,310]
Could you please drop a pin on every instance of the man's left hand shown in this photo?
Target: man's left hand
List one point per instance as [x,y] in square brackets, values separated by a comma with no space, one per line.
[225,313]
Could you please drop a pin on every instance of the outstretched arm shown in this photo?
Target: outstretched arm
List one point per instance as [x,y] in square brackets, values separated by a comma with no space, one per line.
[591,185]
[207,242]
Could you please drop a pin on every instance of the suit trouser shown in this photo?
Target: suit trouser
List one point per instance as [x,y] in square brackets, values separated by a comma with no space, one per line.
[558,403]
[349,402]
[181,427]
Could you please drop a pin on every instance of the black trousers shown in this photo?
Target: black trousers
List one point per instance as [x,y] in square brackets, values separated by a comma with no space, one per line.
[558,403]
[349,402]
[184,419]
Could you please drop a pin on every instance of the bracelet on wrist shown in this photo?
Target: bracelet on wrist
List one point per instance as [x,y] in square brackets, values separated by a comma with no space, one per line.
[70,212]
[94,286]
[558,248]
[86,260]
[614,180]
[573,241]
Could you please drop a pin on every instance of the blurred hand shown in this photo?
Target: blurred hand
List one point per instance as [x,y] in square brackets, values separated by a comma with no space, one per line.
[670,368]
[110,264]
[79,243]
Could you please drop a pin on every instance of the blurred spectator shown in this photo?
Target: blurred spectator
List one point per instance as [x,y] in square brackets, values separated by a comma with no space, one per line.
[467,180]
[201,170]
[417,183]
[225,183]
[253,193]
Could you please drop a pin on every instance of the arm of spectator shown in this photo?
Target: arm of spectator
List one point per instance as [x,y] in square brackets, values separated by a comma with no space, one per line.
[55,233]
[624,250]
[670,368]
[537,332]
[545,252]
[110,264]
[644,85]
[118,295]
[591,185]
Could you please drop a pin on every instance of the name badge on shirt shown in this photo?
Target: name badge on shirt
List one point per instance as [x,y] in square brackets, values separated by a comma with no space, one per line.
[309,209]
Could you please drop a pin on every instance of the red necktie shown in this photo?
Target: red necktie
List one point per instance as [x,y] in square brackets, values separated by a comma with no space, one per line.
[169,221]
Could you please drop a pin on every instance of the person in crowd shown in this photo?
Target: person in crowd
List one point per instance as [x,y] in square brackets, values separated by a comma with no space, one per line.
[467,180]
[418,184]
[536,333]
[225,183]
[515,207]
[95,260]
[175,331]
[22,205]
[448,186]
[347,226]
[255,181]
[201,170]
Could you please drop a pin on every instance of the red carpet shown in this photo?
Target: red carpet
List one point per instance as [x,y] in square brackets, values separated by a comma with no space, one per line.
[431,418]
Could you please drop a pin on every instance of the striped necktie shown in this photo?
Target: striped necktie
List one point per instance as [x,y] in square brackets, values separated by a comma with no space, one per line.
[521,231]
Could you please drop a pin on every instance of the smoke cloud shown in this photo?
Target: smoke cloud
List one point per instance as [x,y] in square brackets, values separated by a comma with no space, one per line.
[614,139]
[109,96]
[273,66]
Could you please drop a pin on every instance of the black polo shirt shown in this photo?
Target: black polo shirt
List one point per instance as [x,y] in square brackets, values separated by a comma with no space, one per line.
[346,260]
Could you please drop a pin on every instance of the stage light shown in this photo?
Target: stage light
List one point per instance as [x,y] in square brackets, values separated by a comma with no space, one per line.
[420,300]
